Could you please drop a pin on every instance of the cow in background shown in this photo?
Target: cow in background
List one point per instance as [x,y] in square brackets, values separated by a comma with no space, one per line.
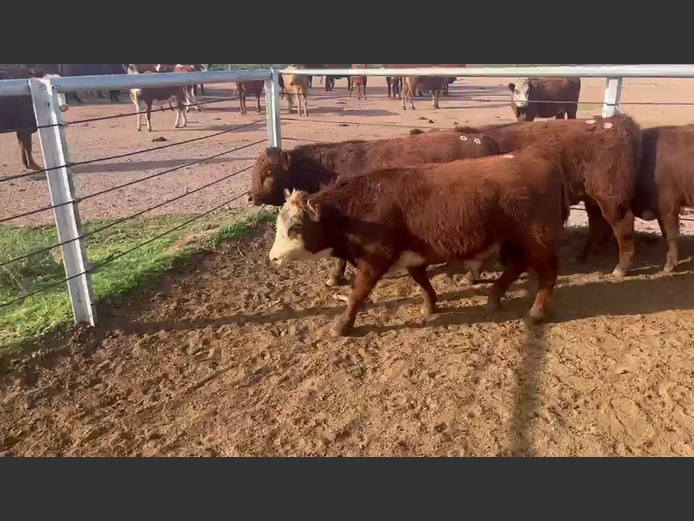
[434,84]
[17,112]
[297,86]
[545,98]
[359,82]
[395,84]
[245,88]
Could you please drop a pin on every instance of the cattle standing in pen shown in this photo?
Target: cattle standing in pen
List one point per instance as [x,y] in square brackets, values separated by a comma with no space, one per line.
[410,84]
[359,82]
[149,95]
[545,98]
[413,217]
[17,112]
[246,88]
[666,182]
[297,87]
[603,166]
[312,167]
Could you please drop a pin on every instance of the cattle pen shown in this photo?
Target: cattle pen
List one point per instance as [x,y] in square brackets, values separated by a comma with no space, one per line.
[276,127]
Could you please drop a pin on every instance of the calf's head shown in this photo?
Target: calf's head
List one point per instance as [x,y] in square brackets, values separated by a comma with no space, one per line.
[299,235]
[520,92]
[271,177]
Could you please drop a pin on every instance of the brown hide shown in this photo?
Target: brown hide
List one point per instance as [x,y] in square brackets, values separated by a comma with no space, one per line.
[252,88]
[601,165]
[440,213]
[563,92]
[309,167]
[666,181]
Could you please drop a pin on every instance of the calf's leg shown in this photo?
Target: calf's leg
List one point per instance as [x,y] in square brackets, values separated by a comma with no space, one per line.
[622,221]
[419,274]
[515,264]
[670,227]
[598,228]
[257,99]
[547,269]
[365,281]
[25,147]
[337,274]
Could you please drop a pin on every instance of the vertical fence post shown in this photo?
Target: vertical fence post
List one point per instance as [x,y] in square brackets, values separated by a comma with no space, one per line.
[67,218]
[613,93]
[272,109]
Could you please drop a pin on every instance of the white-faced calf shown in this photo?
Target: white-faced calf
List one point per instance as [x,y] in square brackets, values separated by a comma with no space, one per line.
[411,218]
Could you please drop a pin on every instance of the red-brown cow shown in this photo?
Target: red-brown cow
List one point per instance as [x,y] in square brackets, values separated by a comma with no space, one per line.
[247,88]
[17,112]
[312,167]
[410,218]
[603,167]
[666,182]
[545,98]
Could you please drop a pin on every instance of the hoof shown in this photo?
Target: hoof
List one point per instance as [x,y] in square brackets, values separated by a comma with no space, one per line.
[619,273]
[341,328]
[428,309]
[469,279]
[667,270]
[335,281]
[534,317]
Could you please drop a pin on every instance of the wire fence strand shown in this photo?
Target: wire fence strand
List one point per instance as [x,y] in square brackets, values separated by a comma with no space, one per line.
[130,154]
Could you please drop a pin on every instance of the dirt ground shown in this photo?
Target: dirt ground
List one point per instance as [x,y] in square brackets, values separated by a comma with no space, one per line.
[228,356]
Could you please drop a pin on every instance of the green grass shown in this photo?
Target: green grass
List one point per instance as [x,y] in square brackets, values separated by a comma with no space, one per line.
[51,309]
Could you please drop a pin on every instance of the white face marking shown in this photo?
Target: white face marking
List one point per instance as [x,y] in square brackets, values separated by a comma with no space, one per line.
[408,259]
[463,138]
[478,141]
[288,249]
[590,122]
[508,156]
[521,93]
[607,126]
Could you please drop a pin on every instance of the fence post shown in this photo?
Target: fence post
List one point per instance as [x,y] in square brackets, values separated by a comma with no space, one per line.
[272,109]
[67,218]
[613,93]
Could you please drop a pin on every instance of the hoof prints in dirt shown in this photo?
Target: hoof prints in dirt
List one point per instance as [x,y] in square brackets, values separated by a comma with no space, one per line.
[230,357]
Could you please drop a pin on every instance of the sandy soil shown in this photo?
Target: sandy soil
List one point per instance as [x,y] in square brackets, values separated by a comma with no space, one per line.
[239,364]
[228,356]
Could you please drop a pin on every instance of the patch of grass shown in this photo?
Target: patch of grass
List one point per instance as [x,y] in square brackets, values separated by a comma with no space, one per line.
[51,309]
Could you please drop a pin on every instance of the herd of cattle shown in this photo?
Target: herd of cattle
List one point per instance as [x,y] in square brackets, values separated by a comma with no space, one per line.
[460,196]
[455,196]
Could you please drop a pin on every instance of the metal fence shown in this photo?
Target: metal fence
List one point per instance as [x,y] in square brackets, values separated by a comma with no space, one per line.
[58,168]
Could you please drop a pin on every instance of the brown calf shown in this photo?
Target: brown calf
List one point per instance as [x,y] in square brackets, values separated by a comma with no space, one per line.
[312,167]
[666,182]
[602,165]
[296,86]
[413,217]
[245,88]
[410,84]
[17,112]
[150,95]
[359,82]
[188,89]
[545,98]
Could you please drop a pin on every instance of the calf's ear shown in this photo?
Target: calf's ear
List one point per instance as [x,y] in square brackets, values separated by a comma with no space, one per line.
[511,87]
[313,212]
